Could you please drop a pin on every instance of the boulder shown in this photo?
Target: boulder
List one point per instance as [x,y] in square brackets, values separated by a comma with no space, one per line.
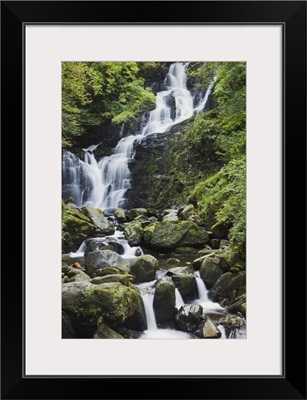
[98,219]
[186,211]
[100,259]
[172,261]
[170,235]
[164,300]
[120,215]
[106,243]
[85,303]
[67,329]
[209,330]
[125,279]
[189,317]
[184,280]
[238,306]
[134,233]
[197,263]
[170,215]
[72,274]
[210,271]
[76,227]
[135,212]
[226,285]
[144,268]
[104,332]
[137,321]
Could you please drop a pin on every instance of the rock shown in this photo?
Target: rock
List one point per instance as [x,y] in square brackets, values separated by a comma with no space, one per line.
[197,263]
[210,271]
[189,317]
[209,330]
[185,250]
[186,211]
[129,333]
[67,330]
[85,303]
[76,227]
[172,261]
[238,306]
[226,285]
[104,332]
[144,221]
[164,300]
[74,275]
[151,212]
[184,279]
[120,215]
[224,243]
[144,268]
[108,271]
[234,270]
[137,322]
[152,220]
[100,259]
[103,244]
[215,244]
[135,212]
[174,234]
[125,279]
[99,220]
[138,252]
[134,233]
[221,231]
[171,215]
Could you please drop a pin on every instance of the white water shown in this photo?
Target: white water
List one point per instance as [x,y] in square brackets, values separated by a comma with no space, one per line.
[103,184]
[129,251]
[202,104]
[148,298]
[222,330]
[179,300]
[207,304]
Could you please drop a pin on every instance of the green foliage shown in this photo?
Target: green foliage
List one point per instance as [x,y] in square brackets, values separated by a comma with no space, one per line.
[92,92]
[219,137]
[223,197]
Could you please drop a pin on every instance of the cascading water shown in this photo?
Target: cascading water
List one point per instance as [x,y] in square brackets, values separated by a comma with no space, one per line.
[201,287]
[178,298]
[103,184]
[148,298]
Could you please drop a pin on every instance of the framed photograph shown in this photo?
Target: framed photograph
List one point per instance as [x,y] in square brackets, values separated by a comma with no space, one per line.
[163,156]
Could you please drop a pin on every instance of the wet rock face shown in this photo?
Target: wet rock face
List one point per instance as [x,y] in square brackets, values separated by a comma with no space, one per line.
[189,317]
[164,300]
[100,259]
[144,268]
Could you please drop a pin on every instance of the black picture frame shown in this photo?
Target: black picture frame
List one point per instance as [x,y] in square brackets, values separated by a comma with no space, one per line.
[292,16]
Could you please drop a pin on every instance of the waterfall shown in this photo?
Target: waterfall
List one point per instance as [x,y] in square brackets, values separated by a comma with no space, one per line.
[221,328]
[201,287]
[178,298]
[103,184]
[148,298]
[204,101]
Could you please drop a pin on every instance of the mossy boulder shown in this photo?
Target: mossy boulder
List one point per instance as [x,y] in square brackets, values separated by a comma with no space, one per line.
[209,330]
[100,259]
[108,271]
[135,212]
[210,271]
[184,280]
[86,303]
[72,274]
[164,300]
[80,223]
[137,321]
[189,317]
[226,285]
[134,233]
[144,268]
[125,279]
[104,332]
[99,220]
[120,215]
[170,234]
